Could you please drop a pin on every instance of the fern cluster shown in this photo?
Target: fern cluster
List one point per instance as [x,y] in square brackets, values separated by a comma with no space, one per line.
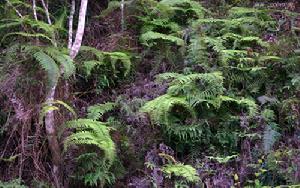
[95,165]
[103,66]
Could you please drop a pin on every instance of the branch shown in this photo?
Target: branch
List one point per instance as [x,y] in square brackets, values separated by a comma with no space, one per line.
[71,25]
[16,10]
[47,12]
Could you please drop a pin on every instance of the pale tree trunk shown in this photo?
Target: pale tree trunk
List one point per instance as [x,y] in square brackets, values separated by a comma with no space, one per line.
[70,43]
[47,12]
[51,130]
[34,10]
[53,141]
[49,119]
[80,29]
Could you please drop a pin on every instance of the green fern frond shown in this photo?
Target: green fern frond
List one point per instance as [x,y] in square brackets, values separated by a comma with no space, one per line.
[29,35]
[10,24]
[168,76]
[197,87]
[90,132]
[180,170]
[107,59]
[64,60]
[49,65]
[94,51]
[186,6]
[152,38]
[167,110]
[95,112]
[238,12]
[90,65]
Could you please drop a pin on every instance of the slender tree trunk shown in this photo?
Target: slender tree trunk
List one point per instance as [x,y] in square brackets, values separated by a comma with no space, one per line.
[70,43]
[51,128]
[80,29]
[34,10]
[49,119]
[47,12]
[53,141]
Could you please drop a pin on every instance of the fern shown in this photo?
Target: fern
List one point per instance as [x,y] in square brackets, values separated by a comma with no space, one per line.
[238,12]
[196,87]
[186,7]
[49,106]
[49,65]
[180,170]
[29,35]
[12,184]
[64,60]
[152,38]
[91,132]
[99,58]
[95,112]
[162,108]
[94,170]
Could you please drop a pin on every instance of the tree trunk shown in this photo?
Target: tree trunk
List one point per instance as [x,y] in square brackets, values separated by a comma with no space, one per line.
[53,141]
[70,43]
[47,12]
[80,29]
[34,10]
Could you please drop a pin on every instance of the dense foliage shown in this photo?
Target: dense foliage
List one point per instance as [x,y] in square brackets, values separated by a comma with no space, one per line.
[169,93]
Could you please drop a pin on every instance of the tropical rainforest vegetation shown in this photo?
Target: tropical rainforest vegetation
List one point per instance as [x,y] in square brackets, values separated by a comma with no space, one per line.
[149,93]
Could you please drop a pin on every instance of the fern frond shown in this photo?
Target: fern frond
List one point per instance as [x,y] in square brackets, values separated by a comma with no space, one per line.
[95,112]
[106,58]
[49,65]
[197,87]
[151,38]
[180,170]
[29,35]
[64,60]
[90,132]
[167,110]
[168,76]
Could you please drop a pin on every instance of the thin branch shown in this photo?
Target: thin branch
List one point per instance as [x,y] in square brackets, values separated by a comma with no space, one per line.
[34,10]
[47,12]
[70,43]
[16,10]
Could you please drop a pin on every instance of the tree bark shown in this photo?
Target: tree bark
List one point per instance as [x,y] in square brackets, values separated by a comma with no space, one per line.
[53,141]
[47,12]
[70,43]
[34,10]
[80,29]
